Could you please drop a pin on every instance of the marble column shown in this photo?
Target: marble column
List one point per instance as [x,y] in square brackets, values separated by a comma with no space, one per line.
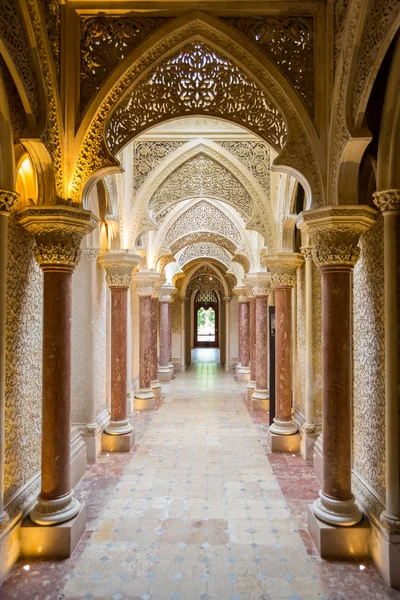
[251,385]
[164,369]
[261,284]
[170,363]
[183,334]
[334,232]
[388,202]
[283,268]
[119,435]
[154,381]
[7,202]
[227,302]
[145,288]
[58,231]
[92,432]
[243,372]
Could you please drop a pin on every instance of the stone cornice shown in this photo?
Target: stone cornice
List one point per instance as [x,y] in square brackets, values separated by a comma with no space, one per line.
[7,201]
[58,231]
[387,201]
[335,232]
[283,267]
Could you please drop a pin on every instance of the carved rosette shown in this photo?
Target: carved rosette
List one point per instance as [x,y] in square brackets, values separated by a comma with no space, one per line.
[119,267]
[335,232]
[7,201]
[58,232]
[241,294]
[387,201]
[283,267]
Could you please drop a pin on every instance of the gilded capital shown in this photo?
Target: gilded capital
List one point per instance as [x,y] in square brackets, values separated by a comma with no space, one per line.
[283,267]
[58,232]
[307,252]
[335,232]
[7,201]
[119,267]
[387,201]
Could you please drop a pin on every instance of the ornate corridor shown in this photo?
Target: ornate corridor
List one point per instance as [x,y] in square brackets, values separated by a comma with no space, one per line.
[199,299]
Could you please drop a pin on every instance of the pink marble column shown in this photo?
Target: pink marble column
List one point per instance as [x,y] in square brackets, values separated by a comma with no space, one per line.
[335,232]
[244,338]
[251,386]
[154,381]
[170,363]
[164,370]
[146,282]
[260,290]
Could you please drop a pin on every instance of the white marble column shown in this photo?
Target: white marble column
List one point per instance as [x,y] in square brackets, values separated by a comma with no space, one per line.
[183,333]
[7,201]
[164,370]
[227,301]
[388,202]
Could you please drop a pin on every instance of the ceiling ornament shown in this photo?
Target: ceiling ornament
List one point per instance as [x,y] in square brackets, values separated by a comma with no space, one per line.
[289,43]
[203,236]
[198,79]
[255,156]
[204,250]
[147,156]
[203,216]
[200,176]
[105,42]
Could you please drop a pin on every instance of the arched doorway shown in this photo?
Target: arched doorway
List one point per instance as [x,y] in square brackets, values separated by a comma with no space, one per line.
[206,319]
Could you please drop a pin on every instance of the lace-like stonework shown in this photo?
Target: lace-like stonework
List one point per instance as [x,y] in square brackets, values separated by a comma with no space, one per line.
[146,157]
[255,157]
[206,250]
[200,176]
[196,80]
[289,43]
[106,41]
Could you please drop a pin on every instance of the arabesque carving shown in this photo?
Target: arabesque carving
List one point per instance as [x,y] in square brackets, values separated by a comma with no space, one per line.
[387,201]
[203,236]
[197,78]
[147,156]
[255,156]
[283,267]
[289,43]
[52,15]
[200,176]
[105,41]
[204,250]
[7,201]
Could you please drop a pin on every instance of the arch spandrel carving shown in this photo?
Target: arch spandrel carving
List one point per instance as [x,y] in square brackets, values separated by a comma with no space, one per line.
[204,250]
[203,236]
[92,153]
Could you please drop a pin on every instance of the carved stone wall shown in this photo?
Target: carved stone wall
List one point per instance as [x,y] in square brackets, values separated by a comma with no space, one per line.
[23,361]
[101,341]
[368,362]
[255,156]
[206,250]
[147,156]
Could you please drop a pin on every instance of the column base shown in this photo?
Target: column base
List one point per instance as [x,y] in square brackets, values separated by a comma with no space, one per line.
[156,388]
[9,545]
[318,459]
[339,543]
[385,552]
[227,368]
[171,367]
[251,386]
[283,443]
[260,400]
[54,512]
[307,442]
[144,399]
[343,513]
[237,368]
[52,542]
[243,374]
[183,368]
[164,374]
[118,427]
[93,444]
[283,427]
[117,443]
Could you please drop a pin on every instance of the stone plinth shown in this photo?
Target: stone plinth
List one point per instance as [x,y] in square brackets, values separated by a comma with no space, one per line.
[117,443]
[283,443]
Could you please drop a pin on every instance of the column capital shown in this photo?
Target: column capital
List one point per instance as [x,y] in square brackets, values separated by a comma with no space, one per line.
[387,201]
[283,267]
[257,284]
[119,267]
[58,231]
[307,252]
[167,292]
[147,282]
[335,232]
[240,292]
[227,298]
[91,253]
[7,201]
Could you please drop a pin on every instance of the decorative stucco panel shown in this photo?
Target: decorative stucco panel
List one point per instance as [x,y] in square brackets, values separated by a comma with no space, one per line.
[23,361]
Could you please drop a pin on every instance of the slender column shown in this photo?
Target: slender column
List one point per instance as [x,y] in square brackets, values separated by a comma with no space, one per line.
[243,372]
[170,363]
[154,381]
[91,254]
[227,300]
[7,201]
[183,333]
[309,426]
[58,231]
[389,203]
[119,268]
[260,290]
[146,283]
[283,269]
[164,370]
[251,385]
[335,232]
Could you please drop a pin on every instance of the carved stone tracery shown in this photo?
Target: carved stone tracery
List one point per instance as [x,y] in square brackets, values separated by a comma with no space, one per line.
[147,156]
[203,236]
[204,250]
[255,156]
[197,78]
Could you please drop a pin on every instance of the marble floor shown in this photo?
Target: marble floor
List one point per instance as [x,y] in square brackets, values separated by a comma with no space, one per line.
[198,510]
